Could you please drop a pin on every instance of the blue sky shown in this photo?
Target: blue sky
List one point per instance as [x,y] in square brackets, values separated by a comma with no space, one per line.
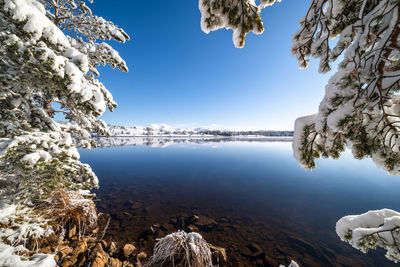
[184,77]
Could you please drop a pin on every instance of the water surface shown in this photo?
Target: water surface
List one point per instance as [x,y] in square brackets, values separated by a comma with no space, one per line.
[255,191]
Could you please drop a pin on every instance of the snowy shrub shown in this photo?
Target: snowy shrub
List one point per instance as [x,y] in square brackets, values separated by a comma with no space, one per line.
[181,249]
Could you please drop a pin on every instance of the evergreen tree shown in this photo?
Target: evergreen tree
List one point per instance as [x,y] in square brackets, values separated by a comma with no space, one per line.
[41,66]
[49,52]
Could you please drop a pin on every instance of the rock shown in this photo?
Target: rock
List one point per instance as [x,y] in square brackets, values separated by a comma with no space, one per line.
[112,248]
[98,257]
[194,218]
[141,257]
[114,263]
[69,261]
[104,244]
[192,228]
[255,249]
[72,232]
[56,258]
[63,252]
[79,247]
[245,251]
[128,249]
[205,223]
[46,250]
[81,259]
[169,228]
[136,205]
[218,255]
[269,262]
[159,233]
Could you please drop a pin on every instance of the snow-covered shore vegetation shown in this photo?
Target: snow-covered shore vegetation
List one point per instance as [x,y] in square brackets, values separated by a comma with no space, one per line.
[44,186]
[167,130]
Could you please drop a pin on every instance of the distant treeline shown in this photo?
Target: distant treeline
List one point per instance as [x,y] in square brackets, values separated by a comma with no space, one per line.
[238,133]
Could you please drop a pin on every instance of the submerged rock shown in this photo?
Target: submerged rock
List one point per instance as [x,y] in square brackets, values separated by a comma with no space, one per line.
[218,255]
[128,249]
[98,257]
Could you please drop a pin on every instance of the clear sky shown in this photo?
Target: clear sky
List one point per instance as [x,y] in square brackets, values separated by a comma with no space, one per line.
[184,77]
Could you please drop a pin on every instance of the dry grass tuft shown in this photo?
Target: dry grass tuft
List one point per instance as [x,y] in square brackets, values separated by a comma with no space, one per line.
[70,211]
[181,249]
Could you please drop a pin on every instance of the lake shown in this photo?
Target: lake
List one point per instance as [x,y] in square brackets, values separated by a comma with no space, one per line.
[253,197]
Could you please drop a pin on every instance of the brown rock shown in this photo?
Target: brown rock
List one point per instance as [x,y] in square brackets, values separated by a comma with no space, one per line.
[218,255]
[159,233]
[98,257]
[104,244]
[205,223]
[80,247]
[81,259]
[255,249]
[128,249]
[194,218]
[168,227]
[245,251]
[69,261]
[141,257]
[63,252]
[112,248]
[192,228]
[114,263]
[269,262]
[46,250]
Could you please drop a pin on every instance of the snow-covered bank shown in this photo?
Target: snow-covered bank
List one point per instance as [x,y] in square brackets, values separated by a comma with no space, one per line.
[158,130]
[164,141]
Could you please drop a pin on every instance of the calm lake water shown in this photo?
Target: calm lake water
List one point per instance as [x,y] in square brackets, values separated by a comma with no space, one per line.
[255,191]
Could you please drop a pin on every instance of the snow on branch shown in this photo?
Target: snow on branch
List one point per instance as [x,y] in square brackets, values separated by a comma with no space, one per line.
[377,228]
[242,16]
[361,105]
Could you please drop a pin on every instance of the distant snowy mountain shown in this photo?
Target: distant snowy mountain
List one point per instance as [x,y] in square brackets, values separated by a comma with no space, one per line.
[163,130]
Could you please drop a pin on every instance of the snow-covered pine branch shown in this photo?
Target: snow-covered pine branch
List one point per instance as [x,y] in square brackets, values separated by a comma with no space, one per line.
[361,104]
[376,228]
[242,16]
[85,30]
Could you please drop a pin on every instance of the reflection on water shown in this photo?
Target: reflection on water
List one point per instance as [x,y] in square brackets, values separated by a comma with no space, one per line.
[167,141]
[255,192]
